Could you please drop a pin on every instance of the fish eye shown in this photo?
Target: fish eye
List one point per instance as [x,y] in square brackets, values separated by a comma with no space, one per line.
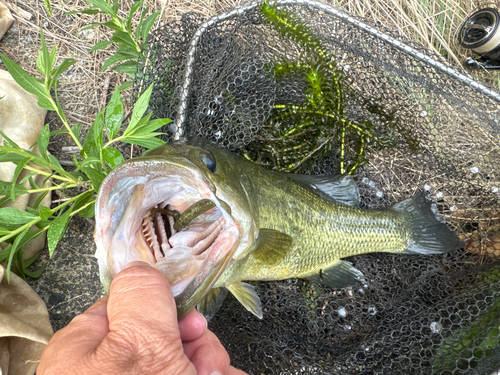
[209,161]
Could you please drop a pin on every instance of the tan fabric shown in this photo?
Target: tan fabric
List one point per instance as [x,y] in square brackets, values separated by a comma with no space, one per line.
[6,19]
[21,119]
[24,327]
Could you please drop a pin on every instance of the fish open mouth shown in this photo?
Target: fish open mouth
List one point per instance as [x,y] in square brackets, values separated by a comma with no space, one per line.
[181,235]
[170,218]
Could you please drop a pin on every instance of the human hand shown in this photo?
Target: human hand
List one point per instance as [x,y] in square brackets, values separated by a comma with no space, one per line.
[135,331]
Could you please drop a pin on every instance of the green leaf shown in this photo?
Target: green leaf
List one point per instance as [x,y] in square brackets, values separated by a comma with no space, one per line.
[48,7]
[82,199]
[61,69]
[52,57]
[100,45]
[88,211]
[59,131]
[114,59]
[13,251]
[84,11]
[143,121]
[150,127]
[92,144]
[128,51]
[9,215]
[125,85]
[56,230]
[46,66]
[103,5]
[6,187]
[45,212]
[9,142]
[140,107]
[4,254]
[114,114]
[128,67]
[90,160]
[94,176]
[133,9]
[116,6]
[112,156]
[137,32]
[55,163]
[19,167]
[75,129]
[29,83]
[39,199]
[43,141]
[123,38]
[36,274]
[113,25]
[148,23]
[148,143]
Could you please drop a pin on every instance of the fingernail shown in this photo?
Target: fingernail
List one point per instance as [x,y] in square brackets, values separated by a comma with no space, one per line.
[137,263]
[216,373]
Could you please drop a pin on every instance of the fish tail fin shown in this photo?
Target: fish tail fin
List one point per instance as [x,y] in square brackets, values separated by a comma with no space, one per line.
[428,234]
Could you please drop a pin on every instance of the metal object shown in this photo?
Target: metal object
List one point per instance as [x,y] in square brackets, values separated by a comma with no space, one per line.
[480,32]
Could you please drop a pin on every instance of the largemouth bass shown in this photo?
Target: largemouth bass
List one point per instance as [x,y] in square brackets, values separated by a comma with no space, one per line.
[208,219]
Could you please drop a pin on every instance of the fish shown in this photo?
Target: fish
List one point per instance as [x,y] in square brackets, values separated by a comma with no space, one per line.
[211,221]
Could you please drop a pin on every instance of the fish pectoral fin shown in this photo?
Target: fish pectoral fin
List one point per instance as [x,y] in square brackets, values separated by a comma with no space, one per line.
[272,246]
[246,295]
[209,305]
[341,275]
[339,189]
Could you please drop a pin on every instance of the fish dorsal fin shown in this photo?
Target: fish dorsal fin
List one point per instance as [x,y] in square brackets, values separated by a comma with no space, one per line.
[341,275]
[340,189]
[209,305]
[272,246]
[246,295]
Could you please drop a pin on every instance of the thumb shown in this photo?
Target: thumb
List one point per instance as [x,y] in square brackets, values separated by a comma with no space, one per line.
[143,324]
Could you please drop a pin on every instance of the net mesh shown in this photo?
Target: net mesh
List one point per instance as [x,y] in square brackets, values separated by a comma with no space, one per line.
[424,315]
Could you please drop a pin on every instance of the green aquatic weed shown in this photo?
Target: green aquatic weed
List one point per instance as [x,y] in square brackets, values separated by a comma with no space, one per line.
[298,133]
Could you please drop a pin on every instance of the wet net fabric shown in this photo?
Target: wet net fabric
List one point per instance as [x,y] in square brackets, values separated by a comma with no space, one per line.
[217,79]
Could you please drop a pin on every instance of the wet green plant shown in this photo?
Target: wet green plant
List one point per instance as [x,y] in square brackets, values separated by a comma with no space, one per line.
[97,156]
[304,132]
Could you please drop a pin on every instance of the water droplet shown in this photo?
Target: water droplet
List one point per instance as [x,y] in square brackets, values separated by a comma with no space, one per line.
[436,327]
[423,113]
[427,187]
[342,312]
[474,170]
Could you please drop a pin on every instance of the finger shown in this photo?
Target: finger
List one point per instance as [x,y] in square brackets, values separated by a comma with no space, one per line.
[99,308]
[235,371]
[192,326]
[143,323]
[78,339]
[207,354]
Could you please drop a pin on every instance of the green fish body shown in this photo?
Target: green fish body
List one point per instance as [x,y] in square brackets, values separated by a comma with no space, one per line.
[288,226]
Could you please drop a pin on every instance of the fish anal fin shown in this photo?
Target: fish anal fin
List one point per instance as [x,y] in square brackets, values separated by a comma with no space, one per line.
[247,296]
[212,301]
[339,189]
[340,275]
[272,246]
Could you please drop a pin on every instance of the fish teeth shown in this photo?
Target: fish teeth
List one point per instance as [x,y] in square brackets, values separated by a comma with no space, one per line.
[150,236]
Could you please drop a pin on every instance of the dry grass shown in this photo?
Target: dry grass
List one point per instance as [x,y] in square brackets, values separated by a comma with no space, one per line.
[430,22]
